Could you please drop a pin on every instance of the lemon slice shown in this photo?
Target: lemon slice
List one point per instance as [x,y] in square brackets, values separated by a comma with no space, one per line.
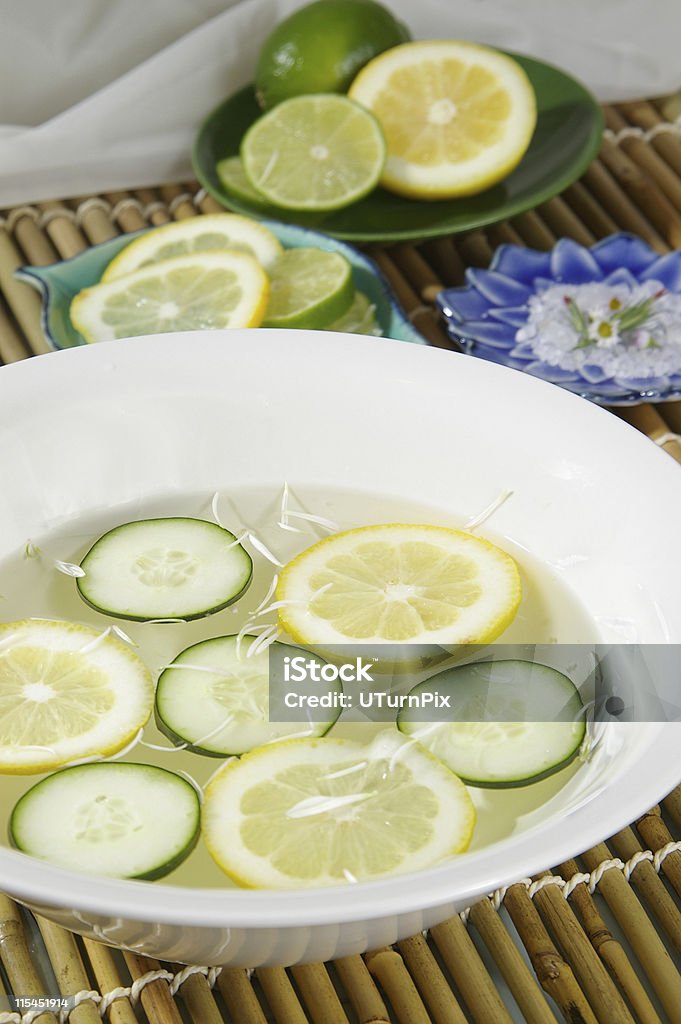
[196,292]
[399,584]
[457,117]
[318,152]
[308,288]
[207,233]
[311,812]
[67,692]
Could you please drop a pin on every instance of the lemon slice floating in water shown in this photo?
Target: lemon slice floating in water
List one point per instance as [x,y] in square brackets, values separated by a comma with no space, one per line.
[311,812]
[399,584]
[207,233]
[67,692]
[457,117]
[318,152]
[196,292]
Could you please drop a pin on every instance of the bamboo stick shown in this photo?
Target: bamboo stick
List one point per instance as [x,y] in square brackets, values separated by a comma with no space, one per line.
[644,191]
[469,973]
[604,186]
[589,210]
[68,969]
[644,116]
[16,958]
[645,157]
[655,835]
[560,219]
[672,804]
[609,949]
[12,347]
[179,201]
[126,211]
[420,316]
[60,224]
[157,1002]
[361,990]
[388,967]
[154,209]
[640,933]
[518,977]
[443,256]
[671,414]
[239,997]
[430,981]
[415,269]
[199,1000]
[648,420]
[646,881]
[22,299]
[33,242]
[281,996]
[534,231]
[93,214]
[554,974]
[319,995]
[503,233]
[474,249]
[108,979]
[206,203]
[597,985]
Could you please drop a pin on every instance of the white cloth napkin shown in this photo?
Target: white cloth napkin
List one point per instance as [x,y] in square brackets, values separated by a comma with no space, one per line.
[98,95]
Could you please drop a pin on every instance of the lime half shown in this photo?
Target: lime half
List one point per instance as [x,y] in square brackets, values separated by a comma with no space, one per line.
[317,152]
[233,179]
[309,288]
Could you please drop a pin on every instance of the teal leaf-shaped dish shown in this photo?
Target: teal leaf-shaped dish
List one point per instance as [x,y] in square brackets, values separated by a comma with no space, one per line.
[59,283]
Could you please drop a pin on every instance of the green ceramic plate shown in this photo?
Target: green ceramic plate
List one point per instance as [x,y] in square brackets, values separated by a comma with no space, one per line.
[566,139]
[58,283]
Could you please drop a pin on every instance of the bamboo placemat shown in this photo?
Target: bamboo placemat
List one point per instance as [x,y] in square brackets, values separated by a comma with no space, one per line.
[597,941]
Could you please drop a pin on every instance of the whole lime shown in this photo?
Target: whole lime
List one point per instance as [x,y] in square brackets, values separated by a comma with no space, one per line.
[322,46]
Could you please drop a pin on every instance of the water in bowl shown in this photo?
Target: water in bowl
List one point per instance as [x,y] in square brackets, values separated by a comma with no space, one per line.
[32,586]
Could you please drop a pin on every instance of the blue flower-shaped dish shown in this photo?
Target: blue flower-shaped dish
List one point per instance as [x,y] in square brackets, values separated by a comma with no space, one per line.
[59,283]
[485,316]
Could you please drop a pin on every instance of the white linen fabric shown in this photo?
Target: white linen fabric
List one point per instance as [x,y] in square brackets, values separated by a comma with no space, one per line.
[99,95]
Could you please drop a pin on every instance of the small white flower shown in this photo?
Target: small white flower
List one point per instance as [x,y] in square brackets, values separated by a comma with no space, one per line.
[604,333]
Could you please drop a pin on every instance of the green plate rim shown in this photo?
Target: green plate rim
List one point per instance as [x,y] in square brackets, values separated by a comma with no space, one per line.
[506,209]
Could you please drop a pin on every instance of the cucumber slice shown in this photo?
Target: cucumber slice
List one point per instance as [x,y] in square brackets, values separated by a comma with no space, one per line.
[215,698]
[509,722]
[177,568]
[124,820]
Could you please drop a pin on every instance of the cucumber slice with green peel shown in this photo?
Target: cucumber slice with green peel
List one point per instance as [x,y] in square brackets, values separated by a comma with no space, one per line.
[507,723]
[117,819]
[214,697]
[176,568]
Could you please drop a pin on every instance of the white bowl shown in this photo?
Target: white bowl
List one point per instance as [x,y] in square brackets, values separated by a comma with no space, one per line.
[105,425]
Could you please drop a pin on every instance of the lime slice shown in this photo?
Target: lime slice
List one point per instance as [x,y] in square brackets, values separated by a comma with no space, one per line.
[196,292]
[399,584]
[360,318]
[457,117]
[67,692]
[317,152]
[308,289]
[210,232]
[311,812]
[233,179]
